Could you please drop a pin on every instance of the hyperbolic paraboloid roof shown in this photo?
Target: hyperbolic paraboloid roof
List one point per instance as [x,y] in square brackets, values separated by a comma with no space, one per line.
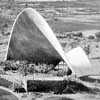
[33,40]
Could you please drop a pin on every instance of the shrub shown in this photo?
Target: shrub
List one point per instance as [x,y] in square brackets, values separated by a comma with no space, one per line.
[78,34]
[91,37]
[97,35]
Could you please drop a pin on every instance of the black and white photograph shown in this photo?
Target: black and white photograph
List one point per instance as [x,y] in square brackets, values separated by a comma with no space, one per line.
[49,49]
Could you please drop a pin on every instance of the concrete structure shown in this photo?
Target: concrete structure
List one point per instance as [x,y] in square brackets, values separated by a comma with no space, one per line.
[33,40]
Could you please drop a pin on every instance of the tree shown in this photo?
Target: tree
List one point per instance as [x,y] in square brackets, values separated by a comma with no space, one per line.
[97,35]
[10,4]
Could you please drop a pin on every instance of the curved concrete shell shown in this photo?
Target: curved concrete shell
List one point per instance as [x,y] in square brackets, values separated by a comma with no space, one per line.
[7,94]
[33,40]
[79,61]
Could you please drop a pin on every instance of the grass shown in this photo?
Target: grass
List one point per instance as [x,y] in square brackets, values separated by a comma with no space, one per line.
[5,83]
[5,95]
[60,26]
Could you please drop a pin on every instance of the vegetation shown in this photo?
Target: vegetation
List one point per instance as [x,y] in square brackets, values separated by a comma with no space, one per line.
[5,83]
[91,37]
[97,36]
[58,87]
[11,4]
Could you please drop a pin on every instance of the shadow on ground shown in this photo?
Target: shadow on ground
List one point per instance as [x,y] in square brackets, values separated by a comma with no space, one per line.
[58,87]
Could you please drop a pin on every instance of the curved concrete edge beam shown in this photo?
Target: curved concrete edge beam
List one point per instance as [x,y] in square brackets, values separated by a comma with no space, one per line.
[45,29]
[8,90]
[79,61]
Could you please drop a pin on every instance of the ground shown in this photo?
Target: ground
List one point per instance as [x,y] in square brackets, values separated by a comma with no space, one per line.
[65,18]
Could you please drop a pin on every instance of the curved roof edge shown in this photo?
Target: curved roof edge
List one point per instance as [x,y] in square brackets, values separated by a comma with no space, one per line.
[8,90]
[44,29]
[79,61]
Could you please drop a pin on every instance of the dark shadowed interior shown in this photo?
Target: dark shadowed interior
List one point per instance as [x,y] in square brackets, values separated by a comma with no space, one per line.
[28,43]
